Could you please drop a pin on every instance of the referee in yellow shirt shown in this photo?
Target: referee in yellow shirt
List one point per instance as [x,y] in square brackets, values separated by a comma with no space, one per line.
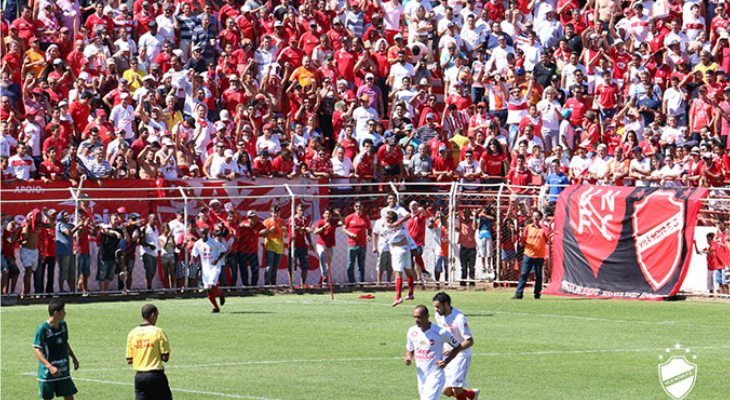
[147,349]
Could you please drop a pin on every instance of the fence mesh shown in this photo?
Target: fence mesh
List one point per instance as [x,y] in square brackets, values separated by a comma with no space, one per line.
[465,234]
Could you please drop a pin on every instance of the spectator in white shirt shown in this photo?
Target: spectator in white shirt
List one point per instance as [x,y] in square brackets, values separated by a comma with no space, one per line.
[342,168]
[22,164]
[122,116]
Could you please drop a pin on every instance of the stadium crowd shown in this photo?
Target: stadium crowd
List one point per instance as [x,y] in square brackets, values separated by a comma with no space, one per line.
[524,92]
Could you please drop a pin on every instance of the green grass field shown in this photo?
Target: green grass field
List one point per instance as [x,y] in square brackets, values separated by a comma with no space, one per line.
[296,347]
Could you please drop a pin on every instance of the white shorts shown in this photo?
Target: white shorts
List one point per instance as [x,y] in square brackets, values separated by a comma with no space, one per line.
[412,243]
[431,386]
[484,247]
[211,275]
[400,258]
[29,258]
[457,371]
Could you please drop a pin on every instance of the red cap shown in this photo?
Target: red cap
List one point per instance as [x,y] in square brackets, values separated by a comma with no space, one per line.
[100,112]
[37,90]
[34,39]
[482,104]
[121,210]
[268,126]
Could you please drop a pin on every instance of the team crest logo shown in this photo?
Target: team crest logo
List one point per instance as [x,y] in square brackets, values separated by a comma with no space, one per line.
[657,221]
[596,217]
[677,375]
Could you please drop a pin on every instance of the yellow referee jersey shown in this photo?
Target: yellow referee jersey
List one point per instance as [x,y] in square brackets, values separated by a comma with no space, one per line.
[145,346]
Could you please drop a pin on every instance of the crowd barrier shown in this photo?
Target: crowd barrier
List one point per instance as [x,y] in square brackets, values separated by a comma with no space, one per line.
[509,206]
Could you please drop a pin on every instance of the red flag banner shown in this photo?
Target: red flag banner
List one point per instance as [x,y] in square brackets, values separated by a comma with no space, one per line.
[21,198]
[623,242]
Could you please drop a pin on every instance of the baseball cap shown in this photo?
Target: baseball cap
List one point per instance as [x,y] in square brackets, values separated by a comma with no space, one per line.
[252,213]
[57,61]
[121,210]
[278,24]
[228,153]
[430,115]
[442,148]
[636,149]
[424,81]
[369,76]
[398,36]
[707,155]
[214,201]
[519,71]
[365,97]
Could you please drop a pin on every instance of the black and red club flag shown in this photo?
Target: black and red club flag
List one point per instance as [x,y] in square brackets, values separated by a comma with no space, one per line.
[623,242]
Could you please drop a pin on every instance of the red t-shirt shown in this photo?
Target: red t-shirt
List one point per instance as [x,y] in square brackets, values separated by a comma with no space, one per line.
[519,178]
[390,157]
[359,226]
[607,95]
[249,238]
[299,236]
[417,228]
[494,163]
[327,236]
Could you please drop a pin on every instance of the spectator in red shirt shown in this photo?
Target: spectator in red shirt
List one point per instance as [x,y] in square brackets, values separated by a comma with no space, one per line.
[359,230]
[248,245]
[443,165]
[391,159]
[579,104]
[520,176]
[325,232]
[50,169]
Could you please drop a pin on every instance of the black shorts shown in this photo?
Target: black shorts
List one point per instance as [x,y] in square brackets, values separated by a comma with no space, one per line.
[151,385]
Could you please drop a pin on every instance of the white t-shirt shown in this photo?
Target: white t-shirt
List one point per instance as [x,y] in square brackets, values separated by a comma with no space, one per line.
[580,166]
[392,16]
[382,236]
[32,137]
[457,325]
[428,349]
[123,118]
[6,142]
[398,72]
[208,251]
[22,166]
[465,167]
[643,165]
[550,119]
[362,115]
[220,166]
[150,236]
[342,168]
[272,145]
[599,167]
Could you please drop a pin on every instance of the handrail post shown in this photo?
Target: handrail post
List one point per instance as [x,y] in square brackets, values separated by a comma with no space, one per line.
[395,190]
[291,228]
[498,228]
[185,235]
[76,235]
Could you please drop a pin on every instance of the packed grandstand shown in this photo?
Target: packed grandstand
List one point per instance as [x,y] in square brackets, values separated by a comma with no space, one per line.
[528,93]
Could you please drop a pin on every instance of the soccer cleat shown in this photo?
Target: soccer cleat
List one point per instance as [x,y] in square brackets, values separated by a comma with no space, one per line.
[476,394]
[516,297]
[410,297]
[215,311]
[396,302]
[223,300]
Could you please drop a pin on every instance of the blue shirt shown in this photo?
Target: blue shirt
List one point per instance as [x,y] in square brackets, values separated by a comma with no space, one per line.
[556,184]
[64,242]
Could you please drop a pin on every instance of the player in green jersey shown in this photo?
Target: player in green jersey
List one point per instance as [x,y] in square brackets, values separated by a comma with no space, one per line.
[53,350]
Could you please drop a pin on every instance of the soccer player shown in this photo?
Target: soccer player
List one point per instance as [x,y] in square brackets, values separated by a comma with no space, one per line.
[211,253]
[52,349]
[454,320]
[147,348]
[426,342]
[397,236]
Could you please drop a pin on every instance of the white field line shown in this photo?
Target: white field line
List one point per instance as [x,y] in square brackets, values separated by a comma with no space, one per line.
[230,396]
[369,359]
[352,302]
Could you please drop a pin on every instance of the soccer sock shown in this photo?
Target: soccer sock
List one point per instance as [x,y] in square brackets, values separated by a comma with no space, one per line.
[419,262]
[466,394]
[211,297]
[217,291]
[410,285]
[398,284]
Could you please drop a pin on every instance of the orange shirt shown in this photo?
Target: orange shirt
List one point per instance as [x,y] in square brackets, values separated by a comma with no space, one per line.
[535,241]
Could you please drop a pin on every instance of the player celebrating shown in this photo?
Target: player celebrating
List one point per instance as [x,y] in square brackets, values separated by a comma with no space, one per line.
[426,342]
[454,320]
[211,253]
[52,349]
[396,235]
